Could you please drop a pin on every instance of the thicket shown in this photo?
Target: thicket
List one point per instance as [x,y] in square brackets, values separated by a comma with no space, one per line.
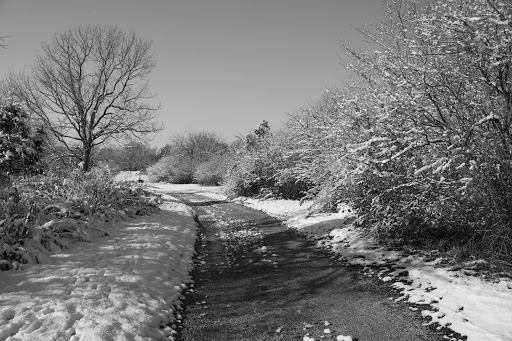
[193,157]
[42,211]
[212,172]
[132,156]
[21,144]
[261,167]
[420,146]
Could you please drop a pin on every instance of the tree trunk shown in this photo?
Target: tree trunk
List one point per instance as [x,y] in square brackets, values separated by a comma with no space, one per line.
[86,161]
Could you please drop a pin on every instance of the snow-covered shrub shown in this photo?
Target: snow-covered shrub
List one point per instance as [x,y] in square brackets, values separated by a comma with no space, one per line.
[422,145]
[247,177]
[134,156]
[317,142]
[40,214]
[172,169]
[262,167]
[183,155]
[20,143]
[437,158]
[212,172]
[159,170]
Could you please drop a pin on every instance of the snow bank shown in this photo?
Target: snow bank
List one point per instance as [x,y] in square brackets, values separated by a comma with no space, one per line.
[123,287]
[277,208]
[468,305]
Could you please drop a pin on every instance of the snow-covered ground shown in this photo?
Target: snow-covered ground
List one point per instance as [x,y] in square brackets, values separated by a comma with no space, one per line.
[131,176]
[128,286]
[214,192]
[466,304]
[123,287]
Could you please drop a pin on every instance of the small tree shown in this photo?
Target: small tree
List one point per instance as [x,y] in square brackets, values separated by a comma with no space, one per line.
[197,146]
[88,86]
[20,145]
[261,164]
[181,157]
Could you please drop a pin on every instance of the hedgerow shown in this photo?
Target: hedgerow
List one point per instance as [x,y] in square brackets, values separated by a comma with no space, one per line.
[421,144]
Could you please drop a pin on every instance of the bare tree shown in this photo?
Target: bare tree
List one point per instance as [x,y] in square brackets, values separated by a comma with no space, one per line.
[134,156]
[197,146]
[90,85]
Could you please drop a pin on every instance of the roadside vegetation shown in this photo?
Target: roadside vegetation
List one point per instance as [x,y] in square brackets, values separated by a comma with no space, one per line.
[419,145]
[87,87]
[193,157]
[42,209]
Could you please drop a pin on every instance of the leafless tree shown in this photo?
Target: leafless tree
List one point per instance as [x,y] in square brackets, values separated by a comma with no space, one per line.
[197,146]
[90,85]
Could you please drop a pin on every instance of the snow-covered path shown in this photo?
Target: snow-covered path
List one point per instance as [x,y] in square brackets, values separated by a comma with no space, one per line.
[122,287]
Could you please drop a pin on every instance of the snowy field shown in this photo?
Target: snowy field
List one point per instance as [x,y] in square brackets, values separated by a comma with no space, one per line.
[123,287]
[451,297]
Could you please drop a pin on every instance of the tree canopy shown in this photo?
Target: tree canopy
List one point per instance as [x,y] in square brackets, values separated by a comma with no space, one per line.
[89,85]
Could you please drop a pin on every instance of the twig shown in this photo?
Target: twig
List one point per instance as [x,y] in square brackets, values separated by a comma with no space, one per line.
[503,262]
[1,40]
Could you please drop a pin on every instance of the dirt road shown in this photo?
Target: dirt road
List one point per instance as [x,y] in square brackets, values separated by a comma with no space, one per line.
[256,280]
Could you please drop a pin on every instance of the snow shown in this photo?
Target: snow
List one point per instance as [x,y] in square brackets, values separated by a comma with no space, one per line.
[343,338]
[128,286]
[131,176]
[489,117]
[468,305]
[124,287]
[214,192]
[276,208]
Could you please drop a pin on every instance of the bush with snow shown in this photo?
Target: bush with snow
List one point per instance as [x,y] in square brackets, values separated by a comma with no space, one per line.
[195,156]
[40,214]
[172,169]
[421,145]
[438,159]
[20,143]
[263,167]
[212,172]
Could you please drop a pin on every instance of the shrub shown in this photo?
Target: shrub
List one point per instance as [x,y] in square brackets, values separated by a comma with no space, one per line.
[172,169]
[246,177]
[20,144]
[134,156]
[184,154]
[212,173]
[40,214]
[262,167]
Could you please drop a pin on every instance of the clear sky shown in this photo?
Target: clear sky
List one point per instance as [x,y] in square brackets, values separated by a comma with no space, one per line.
[223,65]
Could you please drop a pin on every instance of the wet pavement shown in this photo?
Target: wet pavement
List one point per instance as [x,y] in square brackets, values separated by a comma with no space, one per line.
[257,280]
